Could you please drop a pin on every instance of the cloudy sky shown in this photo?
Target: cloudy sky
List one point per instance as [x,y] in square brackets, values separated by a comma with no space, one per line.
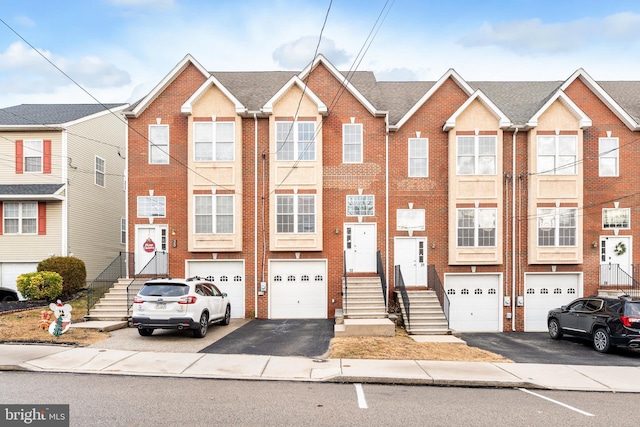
[116,50]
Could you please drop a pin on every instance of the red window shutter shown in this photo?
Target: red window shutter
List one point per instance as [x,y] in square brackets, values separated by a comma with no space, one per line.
[42,218]
[46,156]
[1,218]
[19,154]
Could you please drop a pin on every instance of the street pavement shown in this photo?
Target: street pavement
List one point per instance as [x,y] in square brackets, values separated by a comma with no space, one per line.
[152,359]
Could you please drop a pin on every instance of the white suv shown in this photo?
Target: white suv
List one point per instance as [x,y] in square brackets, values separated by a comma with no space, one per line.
[190,303]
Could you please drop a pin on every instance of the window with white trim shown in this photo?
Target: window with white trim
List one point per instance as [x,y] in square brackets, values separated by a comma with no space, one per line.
[418,157]
[296,141]
[20,217]
[159,144]
[476,154]
[123,231]
[557,227]
[608,155]
[214,214]
[32,154]
[100,171]
[557,154]
[616,218]
[352,143]
[360,205]
[295,213]
[476,227]
[152,206]
[214,141]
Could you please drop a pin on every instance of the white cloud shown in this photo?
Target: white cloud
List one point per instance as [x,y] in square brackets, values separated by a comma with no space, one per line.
[25,21]
[532,36]
[297,54]
[23,70]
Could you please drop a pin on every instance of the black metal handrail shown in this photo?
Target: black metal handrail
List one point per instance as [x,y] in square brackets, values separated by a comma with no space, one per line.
[612,276]
[383,279]
[399,285]
[344,284]
[436,284]
[158,266]
[108,277]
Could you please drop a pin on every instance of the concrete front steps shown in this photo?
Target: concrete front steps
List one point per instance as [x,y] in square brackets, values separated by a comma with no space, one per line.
[364,312]
[425,313]
[113,305]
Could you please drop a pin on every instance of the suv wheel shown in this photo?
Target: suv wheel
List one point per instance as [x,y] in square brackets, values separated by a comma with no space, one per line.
[227,316]
[554,329]
[145,332]
[202,326]
[601,340]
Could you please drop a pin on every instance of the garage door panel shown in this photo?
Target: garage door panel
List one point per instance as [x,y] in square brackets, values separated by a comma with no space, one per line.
[544,292]
[228,276]
[298,289]
[473,302]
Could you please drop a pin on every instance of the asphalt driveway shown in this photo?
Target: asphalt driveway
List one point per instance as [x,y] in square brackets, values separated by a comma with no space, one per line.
[291,337]
[538,347]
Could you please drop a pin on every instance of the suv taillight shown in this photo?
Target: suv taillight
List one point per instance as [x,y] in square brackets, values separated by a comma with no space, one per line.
[138,299]
[187,300]
[628,320]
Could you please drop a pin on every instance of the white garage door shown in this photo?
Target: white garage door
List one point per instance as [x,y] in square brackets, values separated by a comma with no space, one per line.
[9,272]
[298,289]
[474,302]
[544,292]
[227,275]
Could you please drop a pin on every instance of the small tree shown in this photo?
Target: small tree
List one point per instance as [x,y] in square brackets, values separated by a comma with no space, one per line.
[40,285]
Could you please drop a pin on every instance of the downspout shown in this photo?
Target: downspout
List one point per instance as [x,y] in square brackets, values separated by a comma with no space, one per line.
[255,216]
[513,231]
[65,205]
[386,195]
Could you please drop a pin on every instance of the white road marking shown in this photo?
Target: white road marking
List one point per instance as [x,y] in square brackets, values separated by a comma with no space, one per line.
[362,402]
[557,403]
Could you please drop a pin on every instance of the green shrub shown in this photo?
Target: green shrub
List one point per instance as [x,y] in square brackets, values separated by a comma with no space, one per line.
[40,285]
[72,270]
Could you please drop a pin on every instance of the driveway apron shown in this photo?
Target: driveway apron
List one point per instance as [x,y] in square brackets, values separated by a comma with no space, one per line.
[290,337]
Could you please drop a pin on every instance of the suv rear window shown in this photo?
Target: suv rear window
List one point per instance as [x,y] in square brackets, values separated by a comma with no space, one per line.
[632,309]
[164,290]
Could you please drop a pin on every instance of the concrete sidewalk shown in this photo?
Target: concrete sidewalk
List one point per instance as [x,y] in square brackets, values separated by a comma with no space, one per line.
[43,358]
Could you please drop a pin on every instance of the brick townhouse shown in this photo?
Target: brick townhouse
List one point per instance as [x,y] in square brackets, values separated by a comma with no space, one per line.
[507,198]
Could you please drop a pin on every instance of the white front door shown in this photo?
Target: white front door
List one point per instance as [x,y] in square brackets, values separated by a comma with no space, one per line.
[360,245]
[615,251]
[149,240]
[410,254]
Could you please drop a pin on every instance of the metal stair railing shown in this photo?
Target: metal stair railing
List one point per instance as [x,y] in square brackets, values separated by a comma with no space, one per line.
[612,276]
[399,285]
[344,277]
[383,279]
[118,268]
[158,266]
[434,282]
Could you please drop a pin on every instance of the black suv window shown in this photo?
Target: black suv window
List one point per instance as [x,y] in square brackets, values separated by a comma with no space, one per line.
[164,290]
[577,306]
[632,308]
[593,305]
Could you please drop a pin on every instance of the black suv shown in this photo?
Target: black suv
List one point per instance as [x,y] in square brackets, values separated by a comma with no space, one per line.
[607,321]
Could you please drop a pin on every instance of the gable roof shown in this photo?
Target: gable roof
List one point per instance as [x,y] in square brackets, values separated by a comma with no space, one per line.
[559,95]
[211,81]
[503,120]
[51,115]
[295,81]
[138,107]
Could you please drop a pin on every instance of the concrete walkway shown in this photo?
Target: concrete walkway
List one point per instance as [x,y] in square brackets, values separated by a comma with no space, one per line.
[92,360]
